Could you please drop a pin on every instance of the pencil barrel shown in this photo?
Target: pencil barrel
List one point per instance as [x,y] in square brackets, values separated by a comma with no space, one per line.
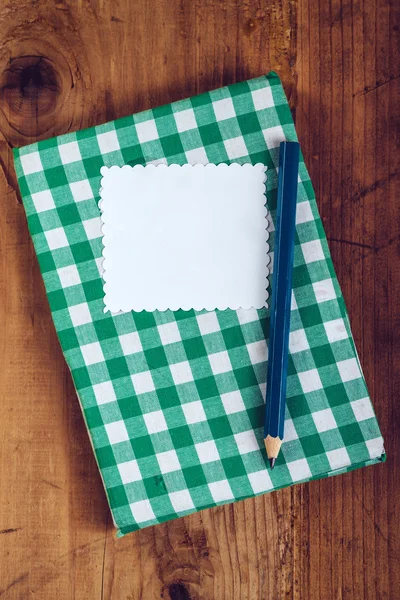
[281,290]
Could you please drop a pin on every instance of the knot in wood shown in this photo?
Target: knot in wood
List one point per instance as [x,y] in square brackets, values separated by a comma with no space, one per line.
[29,92]
[178,591]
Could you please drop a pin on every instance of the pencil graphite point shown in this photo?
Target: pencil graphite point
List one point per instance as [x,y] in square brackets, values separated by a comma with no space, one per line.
[272,462]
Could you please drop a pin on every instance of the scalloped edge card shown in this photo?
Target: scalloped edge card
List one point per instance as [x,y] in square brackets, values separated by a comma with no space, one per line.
[184,237]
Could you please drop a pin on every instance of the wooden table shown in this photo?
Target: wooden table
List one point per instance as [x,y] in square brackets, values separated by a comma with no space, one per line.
[72,64]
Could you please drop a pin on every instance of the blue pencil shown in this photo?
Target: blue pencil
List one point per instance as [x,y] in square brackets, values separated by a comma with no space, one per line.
[281,299]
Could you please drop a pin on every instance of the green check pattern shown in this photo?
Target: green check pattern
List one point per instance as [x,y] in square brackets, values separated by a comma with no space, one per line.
[174,401]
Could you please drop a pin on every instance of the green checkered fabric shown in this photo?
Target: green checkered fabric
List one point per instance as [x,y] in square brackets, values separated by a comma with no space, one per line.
[174,401]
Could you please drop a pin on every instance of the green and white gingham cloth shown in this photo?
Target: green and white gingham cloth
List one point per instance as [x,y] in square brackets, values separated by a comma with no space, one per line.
[174,401]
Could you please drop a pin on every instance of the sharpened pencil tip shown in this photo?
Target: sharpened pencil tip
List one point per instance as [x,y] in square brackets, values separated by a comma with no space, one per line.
[272,462]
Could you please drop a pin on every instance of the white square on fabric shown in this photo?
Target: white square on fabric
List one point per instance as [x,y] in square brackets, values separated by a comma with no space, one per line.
[56,238]
[220,362]
[185,120]
[293,304]
[80,314]
[236,147]
[362,409]
[99,265]
[375,447]
[348,369]
[158,161]
[312,251]
[271,262]
[108,141]
[116,432]
[304,212]
[69,276]
[246,442]
[147,131]
[310,381]
[130,343]
[69,153]
[224,109]
[336,330]
[208,323]
[129,471]
[142,511]
[104,392]
[81,190]
[207,451]
[172,234]
[258,352]
[260,481]
[247,315]
[324,420]
[290,432]
[338,459]
[92,228]
[92,353]
[169,333]
[197,156]
[298,341]
[299,469]
[181,372]
[262,98]
[324,290]
[194,412]
[233,402]
[168,461]
[43,201]
[273,136]
[31,163]
[155,421]
[221,490]
[143,382]
[181,501]
[271,225]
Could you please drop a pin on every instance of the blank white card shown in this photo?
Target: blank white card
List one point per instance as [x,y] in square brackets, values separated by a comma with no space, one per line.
[184,237]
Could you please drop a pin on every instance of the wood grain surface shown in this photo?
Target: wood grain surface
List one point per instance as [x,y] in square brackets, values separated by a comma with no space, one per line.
[75,63]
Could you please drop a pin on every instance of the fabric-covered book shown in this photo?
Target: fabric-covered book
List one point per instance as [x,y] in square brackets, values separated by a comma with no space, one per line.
[174,402]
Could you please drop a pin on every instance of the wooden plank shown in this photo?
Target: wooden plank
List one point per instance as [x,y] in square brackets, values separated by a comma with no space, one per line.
[348,96]
[97,61]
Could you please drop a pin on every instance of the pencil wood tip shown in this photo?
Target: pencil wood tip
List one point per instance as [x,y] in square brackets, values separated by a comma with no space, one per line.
[272,462]
[272,446]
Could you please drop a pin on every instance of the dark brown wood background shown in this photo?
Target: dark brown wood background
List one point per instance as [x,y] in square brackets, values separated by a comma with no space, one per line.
[71,64]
